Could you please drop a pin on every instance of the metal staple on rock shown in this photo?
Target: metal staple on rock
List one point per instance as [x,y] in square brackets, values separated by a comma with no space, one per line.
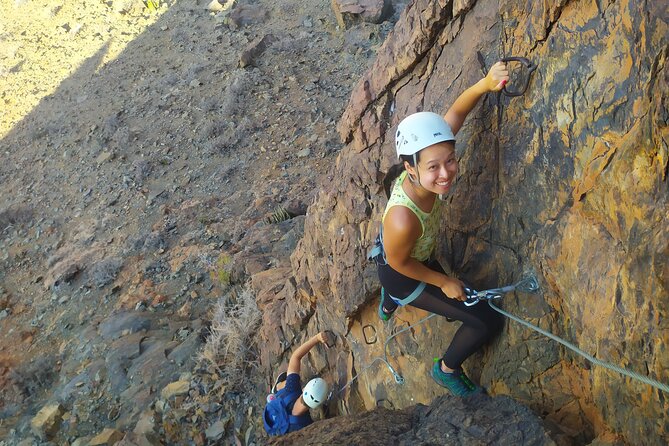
[398,378]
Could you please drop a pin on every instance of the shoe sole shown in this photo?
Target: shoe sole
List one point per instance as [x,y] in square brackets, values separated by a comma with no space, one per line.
[279,379]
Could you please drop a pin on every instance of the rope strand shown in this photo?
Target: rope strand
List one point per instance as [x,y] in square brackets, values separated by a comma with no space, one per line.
[528,284]
[592,359]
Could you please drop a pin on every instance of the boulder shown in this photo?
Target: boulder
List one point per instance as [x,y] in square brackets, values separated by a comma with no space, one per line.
[254,50]
[479,419]
[352,12]
[246,15]
[108,437]
[47,421]
[175,389]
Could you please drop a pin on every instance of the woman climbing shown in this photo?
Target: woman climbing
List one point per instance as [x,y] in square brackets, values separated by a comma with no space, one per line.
[425,144]
[288,404]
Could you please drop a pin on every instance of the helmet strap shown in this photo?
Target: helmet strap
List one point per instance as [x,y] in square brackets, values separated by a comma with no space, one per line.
[415,166]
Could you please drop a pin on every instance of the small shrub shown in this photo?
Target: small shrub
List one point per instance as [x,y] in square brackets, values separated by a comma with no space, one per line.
[220,273]
[30,378]
[147,243]
[209,104]
[104,272]
[109,126]
[213,129]
[15,215]
[230,346]
[233,96]
[141,169]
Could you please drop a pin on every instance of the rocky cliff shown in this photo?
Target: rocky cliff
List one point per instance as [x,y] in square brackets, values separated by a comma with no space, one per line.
[568,180]
[448,420]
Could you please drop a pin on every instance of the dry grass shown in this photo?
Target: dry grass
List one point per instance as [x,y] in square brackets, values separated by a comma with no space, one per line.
[104,272]
[31,378]
[230,347]
[15,215]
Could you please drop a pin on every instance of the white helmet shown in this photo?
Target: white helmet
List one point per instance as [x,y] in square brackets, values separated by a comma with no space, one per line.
[315,392]
[421,130]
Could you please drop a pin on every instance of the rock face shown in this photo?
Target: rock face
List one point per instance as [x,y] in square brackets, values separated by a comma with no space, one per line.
[449,420]
[569,180]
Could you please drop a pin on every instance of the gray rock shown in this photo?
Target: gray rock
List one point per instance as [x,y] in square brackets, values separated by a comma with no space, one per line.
[254,50]
[216,430]
[244,15]
[304,153]
[353,12]
[47,421]
[187,349]
[123,323]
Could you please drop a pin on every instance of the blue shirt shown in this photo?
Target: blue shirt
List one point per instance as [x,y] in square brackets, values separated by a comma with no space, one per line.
[291,393]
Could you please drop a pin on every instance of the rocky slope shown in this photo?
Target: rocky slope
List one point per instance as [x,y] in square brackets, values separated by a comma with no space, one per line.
[448,420]
[142,149]
[137,180]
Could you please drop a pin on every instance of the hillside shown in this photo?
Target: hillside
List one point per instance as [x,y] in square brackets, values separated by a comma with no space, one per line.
[142,149]
[189,189]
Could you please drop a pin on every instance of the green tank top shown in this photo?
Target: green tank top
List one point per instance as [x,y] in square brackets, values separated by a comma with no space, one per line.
[425,244]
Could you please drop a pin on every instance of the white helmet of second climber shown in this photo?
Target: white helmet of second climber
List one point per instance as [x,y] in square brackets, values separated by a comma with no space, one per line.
[421,130]
[315,392]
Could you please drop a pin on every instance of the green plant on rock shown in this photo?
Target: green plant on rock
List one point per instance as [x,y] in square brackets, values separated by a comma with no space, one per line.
[220,273]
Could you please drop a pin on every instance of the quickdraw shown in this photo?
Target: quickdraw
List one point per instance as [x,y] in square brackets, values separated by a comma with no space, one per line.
[528,284]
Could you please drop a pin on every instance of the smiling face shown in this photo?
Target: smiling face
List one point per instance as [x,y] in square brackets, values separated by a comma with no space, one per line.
[437,167]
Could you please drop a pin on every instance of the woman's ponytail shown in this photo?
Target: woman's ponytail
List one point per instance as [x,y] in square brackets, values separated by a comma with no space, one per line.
[395,171]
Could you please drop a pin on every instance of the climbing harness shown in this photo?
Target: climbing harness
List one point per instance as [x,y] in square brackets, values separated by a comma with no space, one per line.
[378,255]
[528,284]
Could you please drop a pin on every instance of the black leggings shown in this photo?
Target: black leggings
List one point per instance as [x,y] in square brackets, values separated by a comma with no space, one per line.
[480,323]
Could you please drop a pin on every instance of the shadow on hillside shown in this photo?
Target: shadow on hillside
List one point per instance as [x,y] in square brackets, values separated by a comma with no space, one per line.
[161,96]
[58,158]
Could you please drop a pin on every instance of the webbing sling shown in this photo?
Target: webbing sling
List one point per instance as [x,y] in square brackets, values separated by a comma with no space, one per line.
[410,298]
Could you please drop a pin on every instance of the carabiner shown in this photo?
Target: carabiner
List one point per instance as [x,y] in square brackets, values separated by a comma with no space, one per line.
[472,297]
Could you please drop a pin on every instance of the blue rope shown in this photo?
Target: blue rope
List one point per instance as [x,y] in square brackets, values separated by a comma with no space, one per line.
[592,359]
[529,285]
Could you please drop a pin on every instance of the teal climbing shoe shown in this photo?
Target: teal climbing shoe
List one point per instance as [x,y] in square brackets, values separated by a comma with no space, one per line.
[385,317]
[457,382]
